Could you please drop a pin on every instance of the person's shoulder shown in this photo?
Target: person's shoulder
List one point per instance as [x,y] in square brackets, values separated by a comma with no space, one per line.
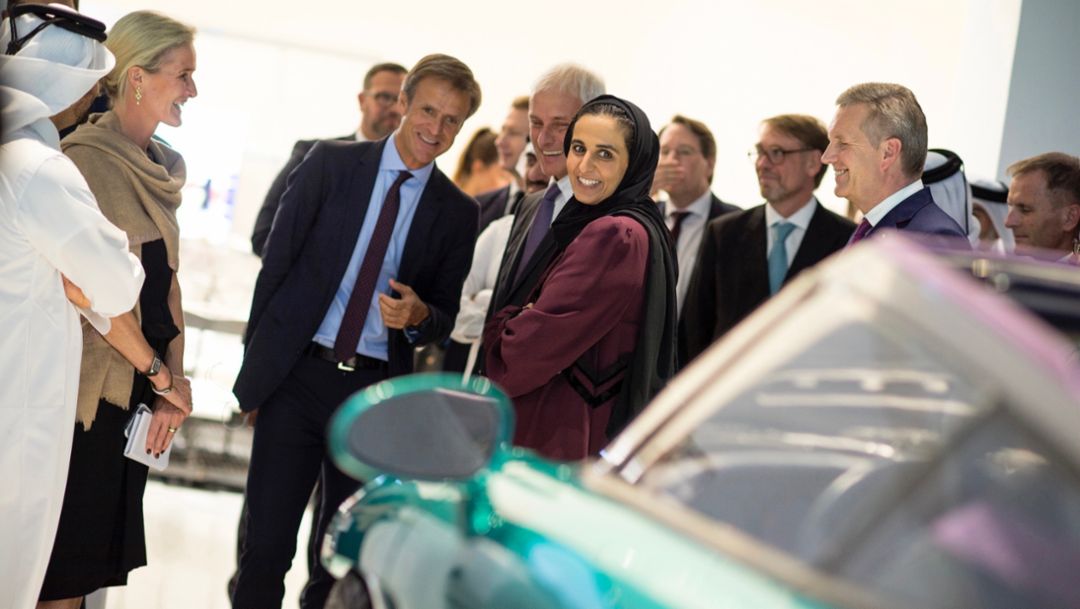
[832,218]
[620,228]
[737,220]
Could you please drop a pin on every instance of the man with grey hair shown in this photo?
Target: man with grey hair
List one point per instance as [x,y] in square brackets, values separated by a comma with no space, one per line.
[877,147]
[1044,204]
[557,96]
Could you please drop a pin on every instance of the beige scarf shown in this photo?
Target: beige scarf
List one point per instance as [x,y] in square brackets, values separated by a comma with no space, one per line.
[140,197]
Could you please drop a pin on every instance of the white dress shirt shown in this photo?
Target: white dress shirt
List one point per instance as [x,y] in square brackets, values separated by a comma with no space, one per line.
[882,209]
[565,192]
[690,232]
[801,220]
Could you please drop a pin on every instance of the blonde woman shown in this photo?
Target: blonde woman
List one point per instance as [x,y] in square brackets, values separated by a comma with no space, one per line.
[137,181]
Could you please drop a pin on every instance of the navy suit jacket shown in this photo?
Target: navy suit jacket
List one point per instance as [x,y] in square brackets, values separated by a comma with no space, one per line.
[309,247]
[919,213]
[493,204]
[731,277]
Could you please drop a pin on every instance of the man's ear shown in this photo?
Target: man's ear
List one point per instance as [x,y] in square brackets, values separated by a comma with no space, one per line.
[1072,218]
[813,162]
[890,150]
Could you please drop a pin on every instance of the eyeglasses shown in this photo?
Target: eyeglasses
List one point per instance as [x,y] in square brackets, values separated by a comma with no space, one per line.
[61,17]
[775,155]
[385,99]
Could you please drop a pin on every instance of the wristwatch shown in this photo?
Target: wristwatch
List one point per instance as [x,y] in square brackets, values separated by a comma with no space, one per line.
[155,367]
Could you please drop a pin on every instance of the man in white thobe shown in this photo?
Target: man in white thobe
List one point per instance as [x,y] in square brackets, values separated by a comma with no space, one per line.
[50,227]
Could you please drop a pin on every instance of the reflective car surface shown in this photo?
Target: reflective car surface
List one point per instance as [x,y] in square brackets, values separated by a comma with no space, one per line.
[883,433]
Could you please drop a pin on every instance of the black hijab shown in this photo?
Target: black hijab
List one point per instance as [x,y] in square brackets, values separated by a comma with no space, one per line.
[633,190]
[653,360]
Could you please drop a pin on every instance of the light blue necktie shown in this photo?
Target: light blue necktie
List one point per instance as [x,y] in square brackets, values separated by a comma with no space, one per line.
[778,264]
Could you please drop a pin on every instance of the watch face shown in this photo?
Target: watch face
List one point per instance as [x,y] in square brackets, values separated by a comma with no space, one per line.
[155,366]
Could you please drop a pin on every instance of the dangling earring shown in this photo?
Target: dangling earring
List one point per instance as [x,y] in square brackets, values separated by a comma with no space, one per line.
[138,95]
[1076,246]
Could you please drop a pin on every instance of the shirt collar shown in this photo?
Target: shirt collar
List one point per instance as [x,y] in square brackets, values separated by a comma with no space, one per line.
[391,161]
[800,218]
[699,208]
[564,187]
[881,209]
[359,136]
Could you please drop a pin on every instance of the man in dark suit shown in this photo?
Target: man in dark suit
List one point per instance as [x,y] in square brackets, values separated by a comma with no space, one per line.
[747,256]
[557,96]
[365,259]
[685,173]
[877,147]
[380,114]
[513,135]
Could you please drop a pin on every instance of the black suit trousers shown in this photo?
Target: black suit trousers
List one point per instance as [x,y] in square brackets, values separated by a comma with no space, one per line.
[287,457]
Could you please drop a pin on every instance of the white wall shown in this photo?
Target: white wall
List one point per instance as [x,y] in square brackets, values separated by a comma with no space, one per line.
[293,72]
[1044,94]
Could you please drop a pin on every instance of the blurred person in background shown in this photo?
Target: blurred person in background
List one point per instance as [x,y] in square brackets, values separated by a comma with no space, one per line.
[510,142]
[137,181]
[989,203]
[747,256]
[380,114]
[1044,205]
[52,236]
[596,337]
[685,173]
[943,174]
[478,168]
[529,168]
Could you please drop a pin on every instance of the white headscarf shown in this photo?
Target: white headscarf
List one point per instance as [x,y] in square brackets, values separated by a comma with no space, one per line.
[49,74]
[991,196]
[951,191]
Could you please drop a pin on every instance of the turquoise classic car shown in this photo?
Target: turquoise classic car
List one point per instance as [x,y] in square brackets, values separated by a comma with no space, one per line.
[883,433]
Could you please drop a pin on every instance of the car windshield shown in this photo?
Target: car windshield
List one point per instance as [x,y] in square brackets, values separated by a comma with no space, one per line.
[876,453]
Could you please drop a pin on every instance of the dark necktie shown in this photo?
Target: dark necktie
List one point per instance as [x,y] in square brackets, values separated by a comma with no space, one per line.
[352,323]
[541,224]
[860,232]
[676,227]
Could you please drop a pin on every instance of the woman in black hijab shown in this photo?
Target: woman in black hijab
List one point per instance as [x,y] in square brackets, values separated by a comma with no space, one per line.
[596,340]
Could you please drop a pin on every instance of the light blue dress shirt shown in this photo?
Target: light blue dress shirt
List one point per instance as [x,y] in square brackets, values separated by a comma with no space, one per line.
[374,337]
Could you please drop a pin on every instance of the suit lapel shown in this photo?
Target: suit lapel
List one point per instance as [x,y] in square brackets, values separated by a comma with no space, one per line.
[815,243]
[427,210]
[365,173]
[755,245]
[900,215]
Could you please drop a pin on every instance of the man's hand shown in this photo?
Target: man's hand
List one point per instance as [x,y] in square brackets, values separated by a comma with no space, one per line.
[399,313]
[74,294]
[667,176]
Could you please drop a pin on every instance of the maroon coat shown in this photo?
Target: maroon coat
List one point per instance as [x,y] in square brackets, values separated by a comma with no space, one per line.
[590,303]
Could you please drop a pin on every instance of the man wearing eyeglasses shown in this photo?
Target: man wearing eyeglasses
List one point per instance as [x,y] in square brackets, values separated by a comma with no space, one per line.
[747,257]
[380,114]
[685,172]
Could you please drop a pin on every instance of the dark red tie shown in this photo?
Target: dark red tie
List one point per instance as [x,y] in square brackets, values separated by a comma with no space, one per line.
[352,323]
[860,231]
[676,227]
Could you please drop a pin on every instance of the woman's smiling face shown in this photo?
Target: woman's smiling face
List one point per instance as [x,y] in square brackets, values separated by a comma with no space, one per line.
[597,159]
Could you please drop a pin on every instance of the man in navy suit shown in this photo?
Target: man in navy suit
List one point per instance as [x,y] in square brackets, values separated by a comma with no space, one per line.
[380,114]
[877,148]
[365,260]
[685,173]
